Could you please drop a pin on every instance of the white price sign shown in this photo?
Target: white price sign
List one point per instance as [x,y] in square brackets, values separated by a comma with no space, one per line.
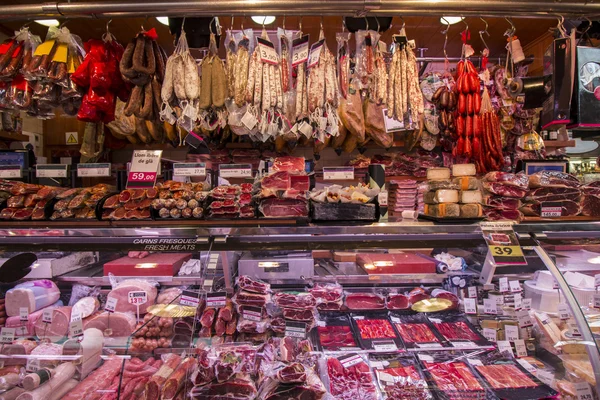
[470,306]
[520,348]
[545,376]
[300,50]
[472,292]
[511,333]
[524,319]
[350,360]
[51,170]
[76,327]
[111,304]
[252,313]
[32,365]
[23,313]
[550,209]
[216,299]
[7,335]
[315,53]
[504,346]
[597,300]
[583,390]
[564,312]
[503,284]
[93,170]
[295,329]
[11,172]
[518,301]
[384,345]
[526,304]
[490,306]
[338,173]
[189,298]
[490,334]
[47,316]
[189,169]
[528,367]
[267,51]
[515,286]
[235,171]
[137,298]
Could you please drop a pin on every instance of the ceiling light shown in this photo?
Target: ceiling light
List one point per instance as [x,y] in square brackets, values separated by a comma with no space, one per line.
[48,22]
[451,20]
[163,20]
[263,19]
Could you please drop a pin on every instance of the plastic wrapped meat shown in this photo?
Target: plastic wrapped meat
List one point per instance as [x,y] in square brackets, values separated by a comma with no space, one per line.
[456,331]
[283,208]
[350,378]
[293,300]
[294,165]
[365,301]
[399,379]
[277,181]
[241,387]
[375,328]
[398,302]
[416,333]
[505,376]
[327,292]
[505,178]
[253,285]
[334,337]
[453,378]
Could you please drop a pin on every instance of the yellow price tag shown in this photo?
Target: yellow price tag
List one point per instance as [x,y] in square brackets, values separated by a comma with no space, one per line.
[61,53]
[506,251]
[44,48]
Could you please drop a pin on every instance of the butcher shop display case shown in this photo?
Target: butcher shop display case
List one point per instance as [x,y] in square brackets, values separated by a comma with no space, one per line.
[382,311]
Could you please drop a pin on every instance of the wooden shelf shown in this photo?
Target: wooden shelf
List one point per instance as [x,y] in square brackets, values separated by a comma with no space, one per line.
[559,143]
[13,137]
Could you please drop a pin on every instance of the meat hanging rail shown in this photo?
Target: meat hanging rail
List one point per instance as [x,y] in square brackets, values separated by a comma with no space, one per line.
[111,9]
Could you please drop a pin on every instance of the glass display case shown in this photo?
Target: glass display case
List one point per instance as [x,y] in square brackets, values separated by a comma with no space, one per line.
[387,311]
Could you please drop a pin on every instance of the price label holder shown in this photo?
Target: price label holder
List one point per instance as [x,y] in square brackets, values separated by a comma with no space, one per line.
[515,286]
[524,319]
[47,316]
[144,169]
[111,304]
[338,173]
[76,327]
[349,360]
[11,172]
[252,313]
[528,367]
[384,345]
[503,285]
[23,314]
[583,390]
[216,299]
[189,298]
[391,124]
[189,169]
[7,335]
[596,300]
[137,298]
[300,50]
[490,306]
[267,51]
[472,292]
[550,209]
[470,306]
[526,304]
[475,362]
[520,348]
[511,333]
[564,311]
[93,170]
[295,329]
[545,376]
[503,244]
[504,345]
[235,171]
[490,334]
[315,53]
[518,301]
[32,365]
[51,170]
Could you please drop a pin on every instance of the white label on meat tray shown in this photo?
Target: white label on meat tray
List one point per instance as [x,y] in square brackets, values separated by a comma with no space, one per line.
[189,169]
[597,300]
[428,345]
[524,319]
[137,298]
[550,209]
[583,390]
[504,345]
[300,50]
[216,299]
[23,313]
[511,333]
[425,357]
[76,328]
[490,306]
[503,285]
[235,171]
[7,335]
[93,170]
[490,334]
[526,304]
[391,124]
[111,304]
[520,348]
[384,345]
[350,360]
[472,292]
[252,313]
[32,365]
[564,312]
[470,306]
[11,172]
[515,286]
[385,377]
[51,170]
[475,362]
[463,344]
[528,367]
[338,173]
[189,298]
[47,316]
[295,329]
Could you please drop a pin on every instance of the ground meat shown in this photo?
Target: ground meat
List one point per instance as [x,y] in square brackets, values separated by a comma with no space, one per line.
[175,213]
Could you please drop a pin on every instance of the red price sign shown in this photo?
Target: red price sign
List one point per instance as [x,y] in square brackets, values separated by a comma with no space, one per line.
[141,177]
[137,298]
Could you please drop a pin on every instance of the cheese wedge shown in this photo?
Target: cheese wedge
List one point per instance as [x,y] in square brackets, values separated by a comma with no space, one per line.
[441,196]
[438,173]
[471,197]
[464,170]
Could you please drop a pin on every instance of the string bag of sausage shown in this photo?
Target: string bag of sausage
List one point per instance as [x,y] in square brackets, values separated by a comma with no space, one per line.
[240,58]
[343,73]
[213,90]
[143,64]
[488,138]
[180,92]
[366,47]
[99,78]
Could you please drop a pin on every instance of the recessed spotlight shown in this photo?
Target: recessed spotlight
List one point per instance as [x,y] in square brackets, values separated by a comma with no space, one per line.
[48,22]
[163,20]
[451,20]
[263,19]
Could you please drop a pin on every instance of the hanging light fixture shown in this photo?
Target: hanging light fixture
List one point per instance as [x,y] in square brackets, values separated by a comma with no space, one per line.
[48,22]
[451,20]
[163,20]
[263,19]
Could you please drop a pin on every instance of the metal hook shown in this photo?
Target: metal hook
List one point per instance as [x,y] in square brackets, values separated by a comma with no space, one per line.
[300,24]
[283,25]
[378,25]
[210,26]
[586,29]
[464,20]
[231,28]
[512,30]
[404,23]
[484,31]
[107,25]
[343,24]
[366,23]
[321,23]
[445,32]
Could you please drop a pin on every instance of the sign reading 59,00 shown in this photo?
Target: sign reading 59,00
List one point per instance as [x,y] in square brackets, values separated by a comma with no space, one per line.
[144,169]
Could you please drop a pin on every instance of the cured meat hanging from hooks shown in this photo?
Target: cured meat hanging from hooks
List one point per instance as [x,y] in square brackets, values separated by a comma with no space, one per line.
[467,121]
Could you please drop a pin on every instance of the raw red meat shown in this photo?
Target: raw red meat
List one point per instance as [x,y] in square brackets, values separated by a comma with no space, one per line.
[311,388]
[336,337]
[444,294]
[293,373]
[456,331]
[552,179]
[251,285]
[405,383]
[590,206]
[453,377]
[504,203]
[239,388]
[112,202]
[298,315]
[293,300]
[505,376]
[353,382]
[502,189]
[569,208]
[497,214]
[323,305]
[328,292]
[208,317]
[397,302]
[553,194]
[418,294]
[364,301]
[375,328]
[244,298]
[517,180]
[416,333]
[295,165]
[278,208]
[7,213]
[276,181]
[300,182]
[245,199]
[22,214]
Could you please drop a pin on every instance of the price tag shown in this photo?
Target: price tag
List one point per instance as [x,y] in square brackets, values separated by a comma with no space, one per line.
[144,169]
[295,329]
[137,298]
[511,333]
[545,376]
[428,345]
[518,301]
[338,173]
[76,328]
[349,360]
[425,358]
[564,312]
[7,335]
[249,120]
[574,328]
[235,171]
[111,304]
[51,170]
[490,306]
[504,345]
[503,285]
[216,299]
[520,348]
[315,53]
[11,172]
[93,170]
[32,365]
[472,292]
[382,198]
[384,345]
[23,313]
[463,344]
[391,124]
[524,319]
[502,243]
[583,390]
[252,313]
[515,286]
[550,209]
[528,367]
[526,304]
[189,169]
[300,50]
[267,51]
[490,334]
[597,300]
[475,362]
[189,298]
[470,306]
[47,316]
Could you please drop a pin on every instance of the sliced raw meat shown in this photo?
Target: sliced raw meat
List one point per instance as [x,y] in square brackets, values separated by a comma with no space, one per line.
[78,201]
[244,298]
[456,331]
[375,328]
[328,292]
[294,165]
[99,379]
[398,302]
[298,315]
[504,203]
[416,333]
[125,196]
[276,181]
[453,378]
[552,179]
[38,214]
[502,189]
[208,317]
[496,215]
[352,382]
[293,373]
[295,300]
[23,214]
[569,208]
[554,194]
[323,305]
[418,294]
[15,201]
[281,208]
[251,285]
[112,202]
[30,200]
[336,337]
[590,206]
[300,182]
[47,193]
[8,213]
[364,301]
[239,388]
[505,376]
